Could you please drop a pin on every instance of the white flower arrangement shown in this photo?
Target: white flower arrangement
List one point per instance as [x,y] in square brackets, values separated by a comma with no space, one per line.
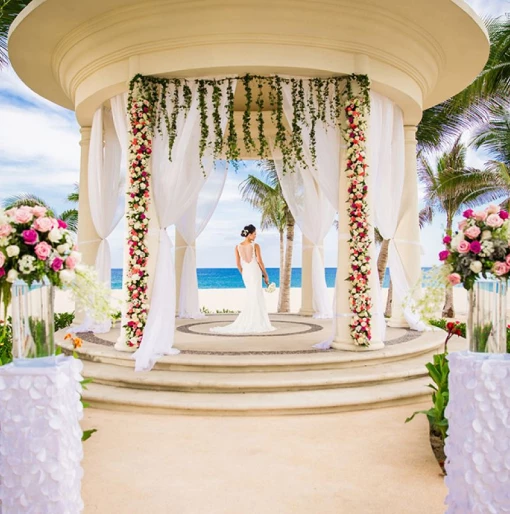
[140,149]
[359,243]
[271,288]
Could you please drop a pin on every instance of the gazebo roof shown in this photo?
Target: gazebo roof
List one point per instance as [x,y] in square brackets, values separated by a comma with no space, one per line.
[437,46]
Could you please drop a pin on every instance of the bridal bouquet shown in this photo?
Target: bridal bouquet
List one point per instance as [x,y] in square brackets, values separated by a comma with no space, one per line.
[480,247]
[271,288]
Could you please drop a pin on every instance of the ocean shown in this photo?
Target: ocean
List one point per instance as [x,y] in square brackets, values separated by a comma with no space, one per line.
[229,278]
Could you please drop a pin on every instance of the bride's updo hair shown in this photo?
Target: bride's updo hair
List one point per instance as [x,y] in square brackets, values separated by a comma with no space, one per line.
[249,229]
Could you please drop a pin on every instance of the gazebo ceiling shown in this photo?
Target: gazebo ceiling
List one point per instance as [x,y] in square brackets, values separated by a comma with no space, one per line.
[79,53]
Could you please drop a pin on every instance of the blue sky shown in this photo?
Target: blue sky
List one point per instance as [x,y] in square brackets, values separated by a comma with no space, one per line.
[39,145]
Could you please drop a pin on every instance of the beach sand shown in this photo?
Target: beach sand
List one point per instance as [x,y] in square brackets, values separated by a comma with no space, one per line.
[232,299]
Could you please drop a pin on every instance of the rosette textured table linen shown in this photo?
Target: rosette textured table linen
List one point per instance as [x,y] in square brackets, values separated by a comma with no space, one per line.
[478,443]
[40,438]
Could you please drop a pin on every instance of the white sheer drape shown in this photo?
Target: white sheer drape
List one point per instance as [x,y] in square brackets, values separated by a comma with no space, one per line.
[386,146]
[314,216]
[176,185]
[190,226]
[312,194]
[106,184]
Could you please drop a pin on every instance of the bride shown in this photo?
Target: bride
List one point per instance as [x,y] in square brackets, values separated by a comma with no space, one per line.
[253,318]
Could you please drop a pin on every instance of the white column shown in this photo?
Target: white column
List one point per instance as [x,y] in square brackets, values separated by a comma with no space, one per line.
[88,239]
[343,340]
[306,279]
[180,251]
[407,235]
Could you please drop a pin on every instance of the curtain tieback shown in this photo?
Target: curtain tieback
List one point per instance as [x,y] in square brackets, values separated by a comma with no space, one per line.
[311,247]
[184,247]
[343,315]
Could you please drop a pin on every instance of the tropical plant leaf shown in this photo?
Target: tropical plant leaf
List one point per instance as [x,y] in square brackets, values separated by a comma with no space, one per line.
[9,9]
[87,434]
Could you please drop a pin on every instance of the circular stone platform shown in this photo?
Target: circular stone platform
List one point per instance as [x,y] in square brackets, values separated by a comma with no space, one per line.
[276,373]
[283,328]
[294,335]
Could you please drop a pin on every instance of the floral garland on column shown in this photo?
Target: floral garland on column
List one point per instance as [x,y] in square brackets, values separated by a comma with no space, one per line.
[359,242]
[140,149]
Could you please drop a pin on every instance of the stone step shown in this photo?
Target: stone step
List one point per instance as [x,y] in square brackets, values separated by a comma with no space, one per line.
[257,381]
[243,362]
[258,403]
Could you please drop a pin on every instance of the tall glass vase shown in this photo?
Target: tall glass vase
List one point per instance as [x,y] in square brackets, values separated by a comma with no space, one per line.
[33,342]
[486,325]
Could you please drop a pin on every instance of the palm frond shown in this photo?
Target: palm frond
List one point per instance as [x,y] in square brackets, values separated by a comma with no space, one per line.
[70,216]
[426,216]
[268,199]
[74,197]
[9,9]
[25,199]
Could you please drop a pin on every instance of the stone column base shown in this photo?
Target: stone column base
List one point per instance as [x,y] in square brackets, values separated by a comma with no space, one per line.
[306,312]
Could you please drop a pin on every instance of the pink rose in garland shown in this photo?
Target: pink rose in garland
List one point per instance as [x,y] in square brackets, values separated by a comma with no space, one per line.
[463,247]
[39,211]
[43,251]
[494,221]
[475,247]
[500,268]
[5,230]
[472,232]
[2,259]
[43,224]
[443,255]
[56,264]
[30,237]
[23,215]
[480,216]
[454,279]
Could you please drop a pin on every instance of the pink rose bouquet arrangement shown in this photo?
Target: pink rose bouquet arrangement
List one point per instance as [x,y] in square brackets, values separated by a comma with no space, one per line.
[479,248]
[34,246]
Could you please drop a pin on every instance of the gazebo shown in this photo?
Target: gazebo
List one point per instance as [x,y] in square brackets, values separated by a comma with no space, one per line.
[377,65]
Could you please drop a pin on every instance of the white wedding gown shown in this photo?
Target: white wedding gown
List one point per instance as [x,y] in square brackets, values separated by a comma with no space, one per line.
[253,318]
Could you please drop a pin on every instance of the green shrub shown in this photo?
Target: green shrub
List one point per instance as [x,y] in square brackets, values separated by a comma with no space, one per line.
[438,372]
[63,320]
[5,342]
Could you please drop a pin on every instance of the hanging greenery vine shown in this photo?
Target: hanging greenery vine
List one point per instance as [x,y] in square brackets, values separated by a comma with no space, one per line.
[312,101]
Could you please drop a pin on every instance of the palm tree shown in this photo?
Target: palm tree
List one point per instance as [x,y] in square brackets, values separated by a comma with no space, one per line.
[494,138]
[449,185]
[9,9]
[441,124]
[70,216]
[266,195]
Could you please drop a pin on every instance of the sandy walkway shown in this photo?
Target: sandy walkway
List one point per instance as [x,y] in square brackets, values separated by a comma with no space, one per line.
[350,463]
